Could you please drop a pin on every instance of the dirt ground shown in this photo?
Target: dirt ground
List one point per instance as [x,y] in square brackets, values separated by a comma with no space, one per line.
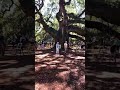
[17,72]
[59,72]
[43,71]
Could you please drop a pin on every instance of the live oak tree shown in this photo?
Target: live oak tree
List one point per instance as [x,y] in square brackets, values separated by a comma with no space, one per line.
[106,10]
[58,26]
[67,21]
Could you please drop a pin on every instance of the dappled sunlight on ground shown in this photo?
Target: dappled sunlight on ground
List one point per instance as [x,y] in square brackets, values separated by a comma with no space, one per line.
[41,56]
[17,72]
[102,72]
[59,72]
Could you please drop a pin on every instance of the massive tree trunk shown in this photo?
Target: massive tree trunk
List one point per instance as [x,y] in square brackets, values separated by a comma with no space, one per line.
[63,22]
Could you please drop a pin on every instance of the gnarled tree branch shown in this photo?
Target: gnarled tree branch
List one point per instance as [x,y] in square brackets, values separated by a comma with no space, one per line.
[102,27]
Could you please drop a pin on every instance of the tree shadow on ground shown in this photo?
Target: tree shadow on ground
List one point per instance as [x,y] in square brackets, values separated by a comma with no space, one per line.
[50,69]
[17,72]
[102,73]
[19,61]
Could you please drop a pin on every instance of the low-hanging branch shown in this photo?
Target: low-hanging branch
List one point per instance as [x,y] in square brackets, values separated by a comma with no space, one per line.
[102,27]
[76,29]
[77,37]
[101,9]
[76,21]
[46,27]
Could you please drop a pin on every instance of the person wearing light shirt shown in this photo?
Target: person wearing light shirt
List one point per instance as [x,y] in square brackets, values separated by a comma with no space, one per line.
[65,46]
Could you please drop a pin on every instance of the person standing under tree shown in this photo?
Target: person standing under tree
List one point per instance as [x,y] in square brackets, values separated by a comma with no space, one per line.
[65,46]
[43,45]
[57,48]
